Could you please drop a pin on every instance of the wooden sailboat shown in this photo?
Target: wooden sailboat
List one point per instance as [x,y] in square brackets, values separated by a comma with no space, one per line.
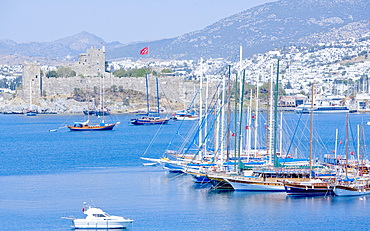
[352,187]
[314,186]
[88,126]
[356,186]
[147,119]
[265,177]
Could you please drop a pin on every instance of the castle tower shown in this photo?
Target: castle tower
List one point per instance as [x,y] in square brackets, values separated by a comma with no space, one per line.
[31,81]
[91,63]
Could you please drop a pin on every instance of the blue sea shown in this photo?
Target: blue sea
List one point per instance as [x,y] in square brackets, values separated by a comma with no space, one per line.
[46,175]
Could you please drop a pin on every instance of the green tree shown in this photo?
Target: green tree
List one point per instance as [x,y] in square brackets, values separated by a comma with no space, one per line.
[51,74]
[166,70]
[65,72]
[132,72]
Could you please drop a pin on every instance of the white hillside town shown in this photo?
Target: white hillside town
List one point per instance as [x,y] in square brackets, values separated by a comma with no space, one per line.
[340,71]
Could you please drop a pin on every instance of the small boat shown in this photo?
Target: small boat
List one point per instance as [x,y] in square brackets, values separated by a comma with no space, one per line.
[86,126]
[91,111]
[31,113]
[149,120]
[102,111]
[98,112]
[305,109]
[185,115]
[96,218]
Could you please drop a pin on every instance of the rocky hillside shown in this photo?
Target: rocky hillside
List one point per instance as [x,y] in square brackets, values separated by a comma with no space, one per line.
[265,27]
[259,29]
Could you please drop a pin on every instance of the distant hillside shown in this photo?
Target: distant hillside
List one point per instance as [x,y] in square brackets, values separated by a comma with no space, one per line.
[263,28]
[60,49]
[80,41]
[259,29]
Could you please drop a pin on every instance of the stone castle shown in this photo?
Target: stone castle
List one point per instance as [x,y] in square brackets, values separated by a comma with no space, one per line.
[90,68]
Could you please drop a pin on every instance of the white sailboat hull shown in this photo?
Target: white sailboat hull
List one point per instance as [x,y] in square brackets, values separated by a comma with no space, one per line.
[240,185]
[101,224]
[347,191]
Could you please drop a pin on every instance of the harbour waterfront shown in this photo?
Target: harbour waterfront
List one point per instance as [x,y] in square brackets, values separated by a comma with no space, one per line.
[48,175]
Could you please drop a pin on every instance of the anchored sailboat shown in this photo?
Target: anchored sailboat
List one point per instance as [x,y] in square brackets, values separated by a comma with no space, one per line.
[87,126]
[147,119]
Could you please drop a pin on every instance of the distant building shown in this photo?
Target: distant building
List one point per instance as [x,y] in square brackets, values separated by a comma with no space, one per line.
[290,102]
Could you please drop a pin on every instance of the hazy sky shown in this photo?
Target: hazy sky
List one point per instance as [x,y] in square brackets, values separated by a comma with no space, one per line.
[112,20]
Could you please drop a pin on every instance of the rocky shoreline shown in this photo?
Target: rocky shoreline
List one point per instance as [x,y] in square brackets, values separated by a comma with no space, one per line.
[70,106]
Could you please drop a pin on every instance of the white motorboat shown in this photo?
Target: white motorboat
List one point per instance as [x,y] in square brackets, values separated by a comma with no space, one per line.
[96,218]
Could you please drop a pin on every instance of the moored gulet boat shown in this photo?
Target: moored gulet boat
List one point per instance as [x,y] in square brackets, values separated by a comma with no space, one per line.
[353,187]
[147,119]
[265,180]
[86,126]
[98,126]
[359,183]
[314,186]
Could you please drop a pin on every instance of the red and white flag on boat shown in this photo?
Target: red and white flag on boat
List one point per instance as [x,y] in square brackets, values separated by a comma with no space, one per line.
[144,51]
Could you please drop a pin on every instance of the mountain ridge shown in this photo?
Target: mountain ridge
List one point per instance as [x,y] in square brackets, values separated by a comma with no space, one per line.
[258,29]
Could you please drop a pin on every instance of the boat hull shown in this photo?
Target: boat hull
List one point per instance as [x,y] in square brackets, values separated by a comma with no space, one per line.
[186,118]
[344,191]
[92,127]
[31,114]
[219,183]
[173,167]
[101,224]
[308,190]
[200,178]
[149,122]
[249,185]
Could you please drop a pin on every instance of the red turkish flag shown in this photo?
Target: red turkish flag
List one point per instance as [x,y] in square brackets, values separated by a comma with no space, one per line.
[144,51]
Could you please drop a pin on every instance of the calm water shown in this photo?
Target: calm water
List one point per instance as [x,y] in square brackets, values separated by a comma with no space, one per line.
[47,175]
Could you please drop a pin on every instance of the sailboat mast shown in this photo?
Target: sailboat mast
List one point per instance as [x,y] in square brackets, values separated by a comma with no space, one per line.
[256,118]
[336,143]
[240,120]
[102,99]
[236,120]
[201,108]
[241,95]
[281,134]
[311,127]
[346,145]
[275,113]
[147,94]
[223,118]
[249,125]
[157,94]
[358,144]
[228,115]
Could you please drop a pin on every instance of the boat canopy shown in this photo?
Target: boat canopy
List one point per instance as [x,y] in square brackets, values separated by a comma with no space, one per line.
[82,123]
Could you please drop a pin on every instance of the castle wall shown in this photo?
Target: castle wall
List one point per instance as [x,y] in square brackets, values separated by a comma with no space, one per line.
[90,66]
[173,89]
